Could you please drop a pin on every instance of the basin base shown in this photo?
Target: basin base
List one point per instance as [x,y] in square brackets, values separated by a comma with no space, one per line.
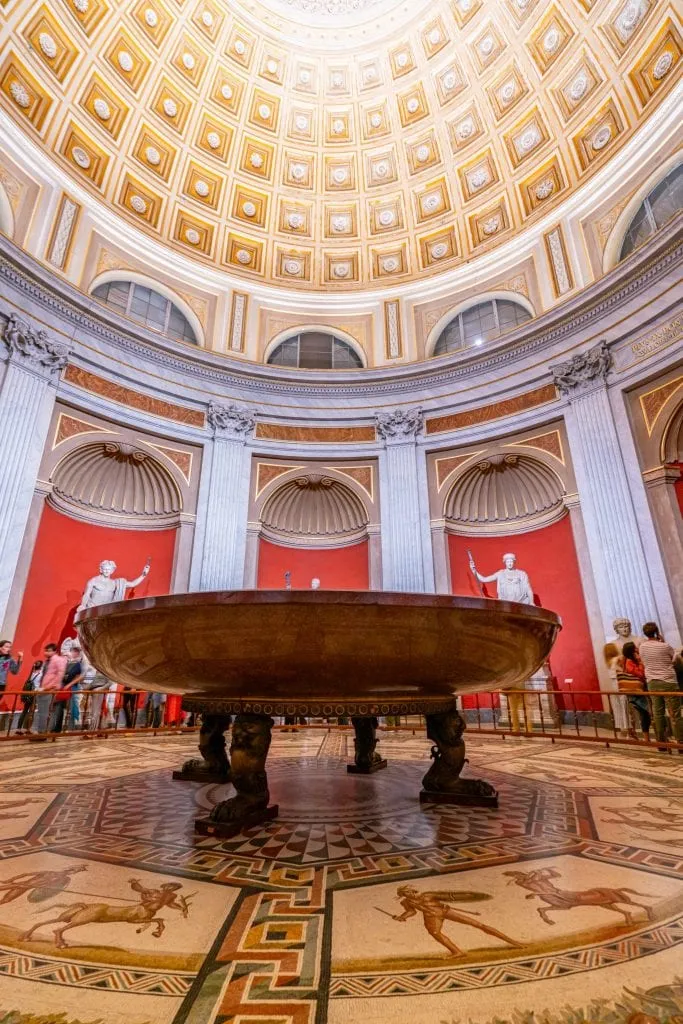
[464,799]
[354,769]
[367,760]
[213,765]
[228,829]
[442,783]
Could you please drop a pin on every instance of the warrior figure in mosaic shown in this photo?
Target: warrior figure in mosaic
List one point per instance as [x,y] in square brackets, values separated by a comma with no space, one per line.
[435,909]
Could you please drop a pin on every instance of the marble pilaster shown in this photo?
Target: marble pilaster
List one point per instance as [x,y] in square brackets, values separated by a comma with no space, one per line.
[27,396]
[660,484]
[617,555]
[226,499]
[406,542]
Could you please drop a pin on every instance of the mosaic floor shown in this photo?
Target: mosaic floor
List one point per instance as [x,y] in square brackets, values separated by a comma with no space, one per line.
[356,904]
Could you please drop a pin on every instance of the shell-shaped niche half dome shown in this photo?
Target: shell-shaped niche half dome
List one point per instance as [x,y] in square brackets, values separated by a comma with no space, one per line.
[112,479]
[315,508]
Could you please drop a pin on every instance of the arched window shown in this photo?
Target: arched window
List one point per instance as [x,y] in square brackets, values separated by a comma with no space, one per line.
[147,307]
[480,323]
[660,205]
[315,350]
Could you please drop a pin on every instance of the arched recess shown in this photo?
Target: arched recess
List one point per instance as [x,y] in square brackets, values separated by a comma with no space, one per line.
[664,487]
[6,213]
[504,492]
[316,523]
[116,483]
[158,286]
[615,241]
[466,304]
[106,498]
[510,501]
[291,332]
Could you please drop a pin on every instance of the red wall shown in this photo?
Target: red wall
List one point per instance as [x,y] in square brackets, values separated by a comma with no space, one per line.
[548,555]
[67,553]
[336,568]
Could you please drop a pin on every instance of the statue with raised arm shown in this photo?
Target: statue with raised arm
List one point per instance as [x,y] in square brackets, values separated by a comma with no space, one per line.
[512,584]
[103,589]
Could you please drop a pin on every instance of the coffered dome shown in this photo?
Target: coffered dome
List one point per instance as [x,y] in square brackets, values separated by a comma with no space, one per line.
[334,143]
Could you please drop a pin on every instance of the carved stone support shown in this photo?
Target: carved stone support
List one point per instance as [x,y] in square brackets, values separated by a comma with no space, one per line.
[213,765]
[367,760]
[251,736]
[442,783]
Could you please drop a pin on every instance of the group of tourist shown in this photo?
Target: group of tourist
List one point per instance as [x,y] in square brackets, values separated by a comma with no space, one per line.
[649,664]
[62,690]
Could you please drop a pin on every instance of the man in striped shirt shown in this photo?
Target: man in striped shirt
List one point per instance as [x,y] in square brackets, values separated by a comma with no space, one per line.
[658,658]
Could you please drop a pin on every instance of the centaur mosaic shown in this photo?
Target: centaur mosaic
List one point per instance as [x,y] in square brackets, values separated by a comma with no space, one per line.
[356,904]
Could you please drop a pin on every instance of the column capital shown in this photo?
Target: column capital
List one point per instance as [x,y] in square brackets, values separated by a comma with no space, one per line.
[583,372]
[400,425]
[232,422]
[32,349]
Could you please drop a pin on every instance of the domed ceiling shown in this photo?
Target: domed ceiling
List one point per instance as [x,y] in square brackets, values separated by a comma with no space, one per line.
[334,143]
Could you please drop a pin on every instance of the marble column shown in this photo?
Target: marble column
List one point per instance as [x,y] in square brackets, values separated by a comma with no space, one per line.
[27,397]
[225,502]
[406,541]
[617,554]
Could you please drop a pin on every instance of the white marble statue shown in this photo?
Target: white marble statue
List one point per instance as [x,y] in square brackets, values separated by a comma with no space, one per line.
[623,633]
[315,583]
[103,589]
[512,584]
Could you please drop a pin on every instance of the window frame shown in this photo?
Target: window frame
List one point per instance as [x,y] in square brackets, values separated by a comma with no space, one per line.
[143,319]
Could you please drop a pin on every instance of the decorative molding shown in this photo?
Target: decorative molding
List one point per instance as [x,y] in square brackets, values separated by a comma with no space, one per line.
[659,339]
[652,402]
[238,321]
[550,443]
[445,467]
[34,350]
[486,413]
[558,259]
[314,508]
[59,247]
[400,425]
[68,426]
[583,372]
[393,337]
[315,435]
[109,389]
[266,472]
[26,275]
[181,459]
[362,475]
[234,422]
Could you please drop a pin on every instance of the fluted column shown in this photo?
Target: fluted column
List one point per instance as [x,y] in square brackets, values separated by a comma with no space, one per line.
[226,501]
[406,542]
[660,484]
[27,396]
[620,568]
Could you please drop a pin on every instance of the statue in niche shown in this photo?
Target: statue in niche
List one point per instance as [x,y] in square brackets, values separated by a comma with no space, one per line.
[103,589]
[512,584]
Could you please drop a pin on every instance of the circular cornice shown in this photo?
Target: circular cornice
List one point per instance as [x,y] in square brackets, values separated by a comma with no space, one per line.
[563,326]
[405,161]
